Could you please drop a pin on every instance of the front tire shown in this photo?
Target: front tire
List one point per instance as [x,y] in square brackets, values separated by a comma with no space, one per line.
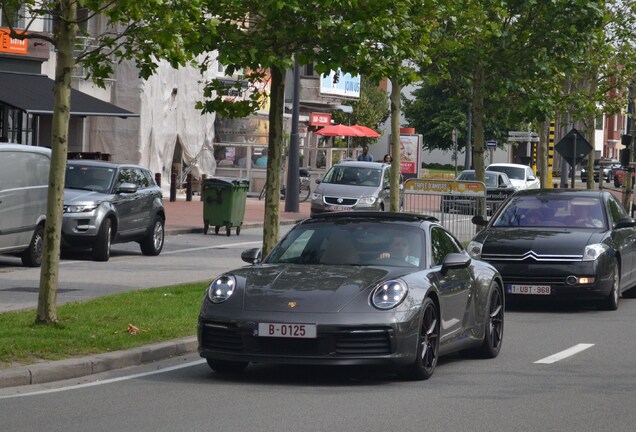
[32,256]
[494,325]
[427,351]
[610,303]
[101,249]
[152,244]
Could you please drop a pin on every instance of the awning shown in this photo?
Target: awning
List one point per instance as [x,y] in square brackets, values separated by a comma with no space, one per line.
[315,106]
[34,94]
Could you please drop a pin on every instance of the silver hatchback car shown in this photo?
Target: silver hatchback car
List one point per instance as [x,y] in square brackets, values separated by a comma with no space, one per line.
[353,186]
[107,203]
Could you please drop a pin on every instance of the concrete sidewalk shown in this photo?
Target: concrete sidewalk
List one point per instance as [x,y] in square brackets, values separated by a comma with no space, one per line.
[181,217]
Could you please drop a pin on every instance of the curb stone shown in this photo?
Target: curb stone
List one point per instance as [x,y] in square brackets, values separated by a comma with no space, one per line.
[44,372]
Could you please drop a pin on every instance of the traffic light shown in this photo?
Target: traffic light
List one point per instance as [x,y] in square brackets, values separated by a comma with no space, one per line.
[626,140]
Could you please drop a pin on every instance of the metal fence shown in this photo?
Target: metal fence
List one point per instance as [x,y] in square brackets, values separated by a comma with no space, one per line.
[452,202]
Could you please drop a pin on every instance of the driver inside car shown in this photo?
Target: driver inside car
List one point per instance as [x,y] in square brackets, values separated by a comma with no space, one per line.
[400,249]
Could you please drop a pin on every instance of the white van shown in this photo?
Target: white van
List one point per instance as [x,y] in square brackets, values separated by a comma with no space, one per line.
[24,179]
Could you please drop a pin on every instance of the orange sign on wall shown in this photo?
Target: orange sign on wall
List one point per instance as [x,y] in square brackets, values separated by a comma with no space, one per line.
[12,46]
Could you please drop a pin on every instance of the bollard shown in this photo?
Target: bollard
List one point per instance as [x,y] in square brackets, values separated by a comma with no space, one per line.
[173,187]
[189,187]
[203,177]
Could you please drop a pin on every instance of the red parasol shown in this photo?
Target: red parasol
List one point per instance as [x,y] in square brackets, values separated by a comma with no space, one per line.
[340,130]
[367,131]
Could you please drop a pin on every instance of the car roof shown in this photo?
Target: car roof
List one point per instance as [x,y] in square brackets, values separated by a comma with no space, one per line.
[378,216]
[360,164]
[107,164]
[507,165]
[591,193]
[24,148]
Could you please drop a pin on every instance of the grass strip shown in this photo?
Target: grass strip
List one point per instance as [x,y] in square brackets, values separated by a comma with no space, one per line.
[109,323]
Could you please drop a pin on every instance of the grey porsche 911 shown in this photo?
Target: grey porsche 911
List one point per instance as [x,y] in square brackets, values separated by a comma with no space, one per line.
[350,288]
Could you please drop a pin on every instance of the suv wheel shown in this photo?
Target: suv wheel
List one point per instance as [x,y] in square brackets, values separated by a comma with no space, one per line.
[101,249]
[153,242]
[32,257]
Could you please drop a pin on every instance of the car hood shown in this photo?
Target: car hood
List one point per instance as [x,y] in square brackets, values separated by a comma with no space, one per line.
[76,196]
[338,190]
[313,288]
[514,242]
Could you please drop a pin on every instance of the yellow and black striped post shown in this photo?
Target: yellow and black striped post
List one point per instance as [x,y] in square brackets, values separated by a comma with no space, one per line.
[550,153]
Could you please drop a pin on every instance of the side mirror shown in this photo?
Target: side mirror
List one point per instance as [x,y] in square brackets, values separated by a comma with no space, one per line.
[626,222]
[127,188]
[479,220]
[251,256]
[318,181]
[454,261]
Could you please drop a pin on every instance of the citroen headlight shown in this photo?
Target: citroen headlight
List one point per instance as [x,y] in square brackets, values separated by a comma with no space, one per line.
[221,288]
[80,208]
[592,252]
[389,294]
[367,200]
[474,249]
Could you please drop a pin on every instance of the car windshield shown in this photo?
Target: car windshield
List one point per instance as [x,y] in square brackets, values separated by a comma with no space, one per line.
[88,177]
[350,243]
[349,175]
[490,179]
[514,173]
[561,211]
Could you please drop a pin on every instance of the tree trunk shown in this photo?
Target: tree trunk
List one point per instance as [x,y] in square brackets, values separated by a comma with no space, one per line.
[478,120]
[395,97]
[274,160]
[47,299]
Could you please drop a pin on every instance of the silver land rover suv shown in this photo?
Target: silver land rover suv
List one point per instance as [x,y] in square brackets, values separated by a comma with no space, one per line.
[106,203]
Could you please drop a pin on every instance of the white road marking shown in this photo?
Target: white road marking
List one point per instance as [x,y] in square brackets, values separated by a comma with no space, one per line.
[565,353]
[106,381]
[221,246]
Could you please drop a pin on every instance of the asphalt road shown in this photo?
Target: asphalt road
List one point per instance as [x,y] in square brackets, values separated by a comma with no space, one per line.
[520,390]
[185,258]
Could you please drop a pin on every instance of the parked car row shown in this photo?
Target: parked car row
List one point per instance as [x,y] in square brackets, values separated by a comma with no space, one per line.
[104,203]
[608,166]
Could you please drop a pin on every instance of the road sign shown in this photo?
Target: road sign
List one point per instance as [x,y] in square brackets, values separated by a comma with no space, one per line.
[573,147]
[523,139]
[491,143]
[522,133]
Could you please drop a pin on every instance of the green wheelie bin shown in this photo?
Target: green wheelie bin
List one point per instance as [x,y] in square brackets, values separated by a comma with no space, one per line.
[223,203]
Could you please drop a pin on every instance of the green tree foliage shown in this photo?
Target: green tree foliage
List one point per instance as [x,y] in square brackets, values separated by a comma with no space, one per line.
[145,31]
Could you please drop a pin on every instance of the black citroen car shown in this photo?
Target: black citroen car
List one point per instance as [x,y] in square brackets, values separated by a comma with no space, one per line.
[549,243]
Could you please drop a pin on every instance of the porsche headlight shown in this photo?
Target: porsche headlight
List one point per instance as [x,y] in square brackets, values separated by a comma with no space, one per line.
[221,289]
[367,200]
[592,252]
[82,208]
[474,249]
[389,294]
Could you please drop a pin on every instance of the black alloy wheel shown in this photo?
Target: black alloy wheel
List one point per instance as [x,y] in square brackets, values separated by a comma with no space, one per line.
[494,325]
[428,345]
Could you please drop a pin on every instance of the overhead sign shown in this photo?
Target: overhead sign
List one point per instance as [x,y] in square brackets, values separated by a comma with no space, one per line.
[320,119]
[573,147]
[523,136]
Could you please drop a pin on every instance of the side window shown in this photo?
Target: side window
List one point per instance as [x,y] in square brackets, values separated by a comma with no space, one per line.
[441,245]
[140,178]
[125,176]
[617,212]
[386,177]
